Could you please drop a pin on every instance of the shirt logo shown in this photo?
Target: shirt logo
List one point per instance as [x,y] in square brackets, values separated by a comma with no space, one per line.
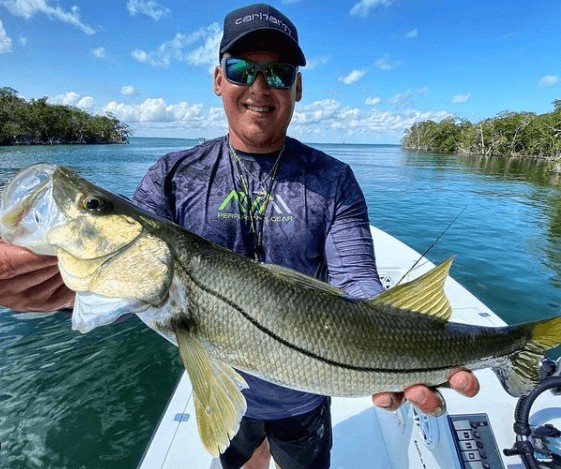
[236,206]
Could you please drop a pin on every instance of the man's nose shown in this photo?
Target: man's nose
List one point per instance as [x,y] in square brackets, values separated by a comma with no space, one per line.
[259,81]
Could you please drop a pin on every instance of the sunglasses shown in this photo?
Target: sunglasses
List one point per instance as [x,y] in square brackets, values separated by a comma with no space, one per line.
[243,72]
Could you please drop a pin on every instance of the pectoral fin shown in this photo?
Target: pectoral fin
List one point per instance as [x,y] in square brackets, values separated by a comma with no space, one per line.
[219,403]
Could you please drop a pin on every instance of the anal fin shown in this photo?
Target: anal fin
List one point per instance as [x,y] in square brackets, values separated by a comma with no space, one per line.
[219,403]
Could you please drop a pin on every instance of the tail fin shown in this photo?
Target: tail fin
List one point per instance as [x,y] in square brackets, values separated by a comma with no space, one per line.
[547,333]
[521,373]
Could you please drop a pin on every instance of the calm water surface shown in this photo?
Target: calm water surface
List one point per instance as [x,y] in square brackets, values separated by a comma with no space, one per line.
[93,400]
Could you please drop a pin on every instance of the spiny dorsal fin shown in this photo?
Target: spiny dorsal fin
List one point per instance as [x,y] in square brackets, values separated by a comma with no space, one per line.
[424,295]
[219,403]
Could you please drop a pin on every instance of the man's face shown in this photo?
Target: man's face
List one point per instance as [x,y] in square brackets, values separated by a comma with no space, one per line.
[258,116]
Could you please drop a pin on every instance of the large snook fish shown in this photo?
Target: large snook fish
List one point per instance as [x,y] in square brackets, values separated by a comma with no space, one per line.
[226,311]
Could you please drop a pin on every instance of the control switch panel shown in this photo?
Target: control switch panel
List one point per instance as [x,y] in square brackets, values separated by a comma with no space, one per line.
[475,441]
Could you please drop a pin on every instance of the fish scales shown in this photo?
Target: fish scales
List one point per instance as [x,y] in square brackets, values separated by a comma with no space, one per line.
[334,345]
[228,312]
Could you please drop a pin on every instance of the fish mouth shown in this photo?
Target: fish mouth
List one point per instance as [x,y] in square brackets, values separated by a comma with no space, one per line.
[27,208]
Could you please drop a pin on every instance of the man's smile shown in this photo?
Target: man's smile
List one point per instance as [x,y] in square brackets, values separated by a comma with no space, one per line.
[260,109]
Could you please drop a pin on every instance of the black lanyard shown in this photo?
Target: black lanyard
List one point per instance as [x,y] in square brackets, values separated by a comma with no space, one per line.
[256,221]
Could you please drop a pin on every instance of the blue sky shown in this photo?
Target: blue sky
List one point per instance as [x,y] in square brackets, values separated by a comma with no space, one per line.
[374,66]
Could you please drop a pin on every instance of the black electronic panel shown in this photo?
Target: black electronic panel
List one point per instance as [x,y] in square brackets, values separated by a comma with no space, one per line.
[475,441]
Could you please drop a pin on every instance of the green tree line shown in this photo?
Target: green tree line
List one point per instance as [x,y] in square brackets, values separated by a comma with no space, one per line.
[36,122]
[510,134]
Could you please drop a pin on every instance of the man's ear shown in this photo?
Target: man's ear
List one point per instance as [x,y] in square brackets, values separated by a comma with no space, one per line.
[218,77]
[298,90]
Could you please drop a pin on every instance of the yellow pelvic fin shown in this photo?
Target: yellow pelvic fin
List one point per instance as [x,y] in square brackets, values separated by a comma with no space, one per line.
[424,295]
[219,403]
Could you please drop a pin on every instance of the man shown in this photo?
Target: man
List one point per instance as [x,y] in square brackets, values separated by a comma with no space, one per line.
[266,196]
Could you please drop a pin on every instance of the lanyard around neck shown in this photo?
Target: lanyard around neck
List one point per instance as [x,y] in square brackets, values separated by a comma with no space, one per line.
[254,218]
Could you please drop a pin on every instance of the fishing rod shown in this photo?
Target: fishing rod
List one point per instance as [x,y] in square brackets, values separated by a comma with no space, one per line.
[431,246]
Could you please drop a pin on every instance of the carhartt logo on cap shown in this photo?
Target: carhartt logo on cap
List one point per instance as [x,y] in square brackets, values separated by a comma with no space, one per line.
[261,26]
[264,18]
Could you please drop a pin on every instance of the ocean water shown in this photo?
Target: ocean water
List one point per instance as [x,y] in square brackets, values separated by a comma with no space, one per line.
[71,400]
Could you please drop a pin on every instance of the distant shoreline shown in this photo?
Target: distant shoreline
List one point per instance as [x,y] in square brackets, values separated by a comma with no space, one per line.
[36,122]
[48,144]
[508,135]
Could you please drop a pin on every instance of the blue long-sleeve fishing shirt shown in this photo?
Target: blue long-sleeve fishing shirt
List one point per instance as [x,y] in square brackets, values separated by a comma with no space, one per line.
[316,222]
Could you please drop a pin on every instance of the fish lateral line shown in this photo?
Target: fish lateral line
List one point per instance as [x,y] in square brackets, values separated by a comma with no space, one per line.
[308,353]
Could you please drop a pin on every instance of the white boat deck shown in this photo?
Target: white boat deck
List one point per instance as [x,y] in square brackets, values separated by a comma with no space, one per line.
[366,437]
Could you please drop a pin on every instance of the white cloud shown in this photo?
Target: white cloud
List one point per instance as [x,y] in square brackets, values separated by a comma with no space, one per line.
[460,98]
[406,99]
[99,52]
[68,99]
[128,90]
[400,98]
[140,55]
[71,98]
[147,7]
[154,116]
[316,112]
[411,34]
[181,49]
[156,110]
[86,103]
[5,41]
[363,7]
[352,77]
[548,80]
[28,8]
[315,62]
[317,121]
[322,119]
[373,101]
[385,64]
[207,52]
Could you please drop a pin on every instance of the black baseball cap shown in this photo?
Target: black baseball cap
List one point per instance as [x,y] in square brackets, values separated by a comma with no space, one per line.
[261,27]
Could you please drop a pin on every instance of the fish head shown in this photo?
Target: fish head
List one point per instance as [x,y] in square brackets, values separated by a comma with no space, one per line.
[105,245]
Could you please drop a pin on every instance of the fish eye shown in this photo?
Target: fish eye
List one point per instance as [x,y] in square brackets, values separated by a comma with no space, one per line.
[95,204]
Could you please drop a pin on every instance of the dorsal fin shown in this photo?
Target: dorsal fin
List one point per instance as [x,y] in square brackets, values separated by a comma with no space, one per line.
[424,295]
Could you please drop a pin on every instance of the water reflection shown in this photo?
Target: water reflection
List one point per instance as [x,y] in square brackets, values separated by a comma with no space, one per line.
[546,197]
[533,170]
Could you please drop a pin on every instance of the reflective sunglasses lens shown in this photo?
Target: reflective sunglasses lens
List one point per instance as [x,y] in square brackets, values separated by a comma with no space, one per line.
[239,71]
[243,72]
[280,75]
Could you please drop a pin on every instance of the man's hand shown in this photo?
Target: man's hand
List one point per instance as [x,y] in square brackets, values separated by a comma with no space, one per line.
[426,399]
[31,282]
